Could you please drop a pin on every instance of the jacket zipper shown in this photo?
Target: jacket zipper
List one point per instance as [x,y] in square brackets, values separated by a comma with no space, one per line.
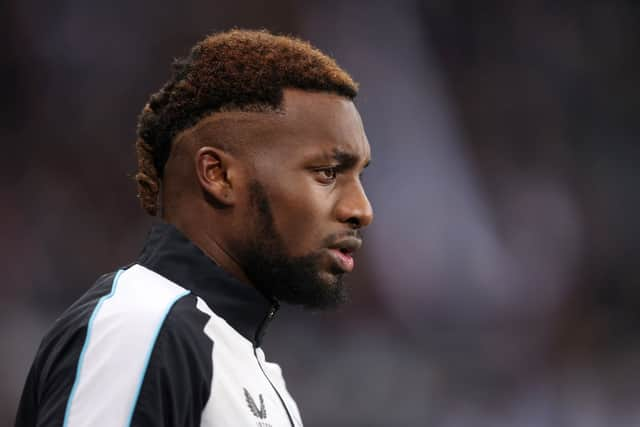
[259,335]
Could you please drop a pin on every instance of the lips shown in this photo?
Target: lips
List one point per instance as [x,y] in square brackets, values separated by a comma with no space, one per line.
[342,252]
[344,260]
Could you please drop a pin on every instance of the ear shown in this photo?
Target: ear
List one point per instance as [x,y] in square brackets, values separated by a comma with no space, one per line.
[215,169]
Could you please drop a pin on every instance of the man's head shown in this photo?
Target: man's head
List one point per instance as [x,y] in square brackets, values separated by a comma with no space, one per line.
[254,149]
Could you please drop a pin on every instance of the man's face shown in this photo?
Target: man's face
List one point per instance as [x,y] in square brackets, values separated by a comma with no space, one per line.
[306,204]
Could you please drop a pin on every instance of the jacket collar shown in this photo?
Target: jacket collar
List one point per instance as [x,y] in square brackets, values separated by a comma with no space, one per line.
[171,254]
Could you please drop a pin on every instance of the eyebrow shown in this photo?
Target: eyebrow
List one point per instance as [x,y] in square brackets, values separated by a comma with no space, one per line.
[346,159]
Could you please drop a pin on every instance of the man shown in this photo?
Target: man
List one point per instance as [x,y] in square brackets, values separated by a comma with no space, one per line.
[252,155]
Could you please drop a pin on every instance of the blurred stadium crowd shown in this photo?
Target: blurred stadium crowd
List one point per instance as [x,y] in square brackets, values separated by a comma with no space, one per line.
[499,283]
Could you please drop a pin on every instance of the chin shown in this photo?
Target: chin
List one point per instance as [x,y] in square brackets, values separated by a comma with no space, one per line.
[330,279]
[327,293]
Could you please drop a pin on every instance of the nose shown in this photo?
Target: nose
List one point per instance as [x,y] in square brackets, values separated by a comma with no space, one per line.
[354,207]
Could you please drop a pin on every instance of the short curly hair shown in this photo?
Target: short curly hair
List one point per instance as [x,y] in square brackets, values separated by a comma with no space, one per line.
[237,70]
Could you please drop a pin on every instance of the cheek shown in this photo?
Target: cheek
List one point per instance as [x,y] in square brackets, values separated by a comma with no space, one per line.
[302,216]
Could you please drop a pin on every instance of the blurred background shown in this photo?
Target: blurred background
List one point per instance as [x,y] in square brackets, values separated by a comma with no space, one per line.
[499,283]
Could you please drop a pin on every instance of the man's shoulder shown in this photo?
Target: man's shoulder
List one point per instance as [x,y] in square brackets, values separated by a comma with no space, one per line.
[130,293]
[123,302]
[133,321]
[124,311]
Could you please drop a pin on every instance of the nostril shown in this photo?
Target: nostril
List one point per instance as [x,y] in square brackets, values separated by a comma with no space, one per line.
[355,222]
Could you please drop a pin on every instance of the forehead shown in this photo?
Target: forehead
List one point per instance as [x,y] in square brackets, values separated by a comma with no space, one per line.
[309,124]
[314,123]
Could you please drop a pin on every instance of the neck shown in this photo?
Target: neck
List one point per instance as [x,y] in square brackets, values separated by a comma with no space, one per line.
[210,242]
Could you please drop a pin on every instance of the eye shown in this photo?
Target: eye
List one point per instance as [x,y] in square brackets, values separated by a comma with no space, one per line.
[327,175]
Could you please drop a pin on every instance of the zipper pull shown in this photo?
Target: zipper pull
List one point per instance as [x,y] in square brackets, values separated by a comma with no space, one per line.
[263,327]
[272,312]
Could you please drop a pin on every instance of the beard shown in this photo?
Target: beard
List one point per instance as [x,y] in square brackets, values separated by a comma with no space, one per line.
[294,280]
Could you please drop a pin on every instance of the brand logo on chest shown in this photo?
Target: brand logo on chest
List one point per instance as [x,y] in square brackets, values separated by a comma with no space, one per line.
[258,412]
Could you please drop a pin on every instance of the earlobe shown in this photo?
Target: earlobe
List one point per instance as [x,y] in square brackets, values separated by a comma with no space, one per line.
[214,169]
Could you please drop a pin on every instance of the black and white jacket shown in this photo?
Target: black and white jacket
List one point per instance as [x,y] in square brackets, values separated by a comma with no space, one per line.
[172,340]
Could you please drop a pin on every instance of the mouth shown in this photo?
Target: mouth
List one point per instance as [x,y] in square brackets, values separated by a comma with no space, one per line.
[343,251]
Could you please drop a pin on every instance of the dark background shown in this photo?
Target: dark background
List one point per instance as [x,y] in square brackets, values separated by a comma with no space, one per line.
[499,282]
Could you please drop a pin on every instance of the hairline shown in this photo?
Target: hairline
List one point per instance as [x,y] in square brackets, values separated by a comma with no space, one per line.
[251,113]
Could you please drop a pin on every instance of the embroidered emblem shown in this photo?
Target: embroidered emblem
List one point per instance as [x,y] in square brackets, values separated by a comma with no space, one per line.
[260,413]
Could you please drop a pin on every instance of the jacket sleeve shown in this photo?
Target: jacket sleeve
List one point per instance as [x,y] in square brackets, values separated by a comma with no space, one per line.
[49,382]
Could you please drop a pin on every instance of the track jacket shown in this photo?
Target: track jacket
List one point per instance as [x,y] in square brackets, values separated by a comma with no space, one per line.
[172,340]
